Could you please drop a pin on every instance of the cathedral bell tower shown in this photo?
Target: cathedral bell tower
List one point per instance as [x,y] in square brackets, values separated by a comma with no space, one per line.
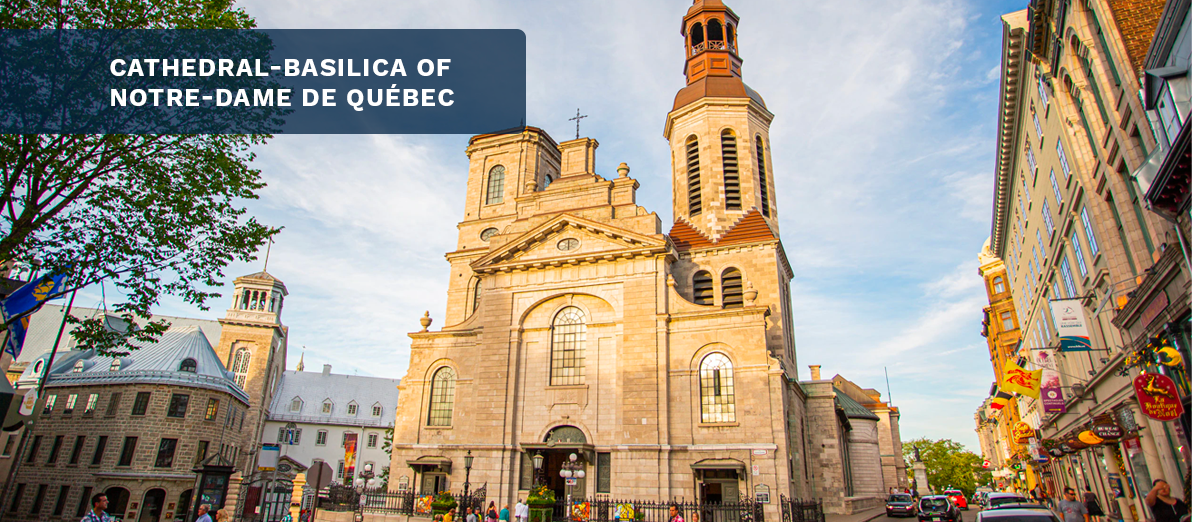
[719,130]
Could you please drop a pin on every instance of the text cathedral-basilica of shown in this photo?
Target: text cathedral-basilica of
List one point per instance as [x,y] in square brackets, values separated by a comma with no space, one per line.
[664,360]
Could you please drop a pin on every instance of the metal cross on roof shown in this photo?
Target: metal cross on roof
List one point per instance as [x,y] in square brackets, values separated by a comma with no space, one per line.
[576,120]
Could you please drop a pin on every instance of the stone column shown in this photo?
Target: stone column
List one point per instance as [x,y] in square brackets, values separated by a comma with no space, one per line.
[920,470]
[1114,467]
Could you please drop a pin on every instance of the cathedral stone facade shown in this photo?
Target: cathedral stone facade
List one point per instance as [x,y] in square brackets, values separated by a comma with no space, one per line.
[575,324]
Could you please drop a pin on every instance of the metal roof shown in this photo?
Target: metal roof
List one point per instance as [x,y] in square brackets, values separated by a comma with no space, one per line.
[852,409]
[44,325]
[315,387]
[157,363]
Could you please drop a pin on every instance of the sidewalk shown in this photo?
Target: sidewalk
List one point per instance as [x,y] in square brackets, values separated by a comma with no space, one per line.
[864,516]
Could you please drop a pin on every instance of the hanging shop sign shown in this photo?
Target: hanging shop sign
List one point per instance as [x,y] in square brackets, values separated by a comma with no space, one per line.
[1022,432]
[1107,430]
[1056,452]
[1076,444]
[1090,438]
[1049,383]
[1070,324]
[1157,396]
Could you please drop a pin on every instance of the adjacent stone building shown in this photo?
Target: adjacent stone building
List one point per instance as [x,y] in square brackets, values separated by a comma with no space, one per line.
[889,437]
[133,427]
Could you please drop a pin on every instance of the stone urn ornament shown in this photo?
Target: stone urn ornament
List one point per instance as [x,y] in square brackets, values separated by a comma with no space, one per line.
[750,293]
[426,320]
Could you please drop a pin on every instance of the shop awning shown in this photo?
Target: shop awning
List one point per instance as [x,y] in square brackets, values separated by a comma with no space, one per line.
[719,464]
[430,461]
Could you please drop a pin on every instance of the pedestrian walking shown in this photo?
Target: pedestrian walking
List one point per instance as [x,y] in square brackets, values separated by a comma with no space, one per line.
[1165,507]
[472,516]
[1092,505]
[674,514]
[449,516]
[521,511]
[204,513]
[491,515]
[1071,509]
[223,515]
[505,513]
[99,506]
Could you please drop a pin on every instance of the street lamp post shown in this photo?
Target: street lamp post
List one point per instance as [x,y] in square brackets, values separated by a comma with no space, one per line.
[538,469]
[467,476]
[571,471]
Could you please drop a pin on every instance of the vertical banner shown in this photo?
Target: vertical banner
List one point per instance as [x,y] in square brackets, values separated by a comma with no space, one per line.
[1071,325]
[1050,392]
[349,457]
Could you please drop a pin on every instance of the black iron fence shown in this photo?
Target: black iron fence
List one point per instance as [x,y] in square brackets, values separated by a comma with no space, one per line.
[799,510]
[619,510]
[385,502]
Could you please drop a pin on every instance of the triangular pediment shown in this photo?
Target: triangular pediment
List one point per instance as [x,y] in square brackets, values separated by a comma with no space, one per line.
[568,239]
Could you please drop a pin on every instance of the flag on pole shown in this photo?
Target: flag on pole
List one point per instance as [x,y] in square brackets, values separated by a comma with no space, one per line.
[29,297]
[1022,381]
[999,400]
[16,337]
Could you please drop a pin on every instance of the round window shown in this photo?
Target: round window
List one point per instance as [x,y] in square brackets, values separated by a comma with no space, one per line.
[488,234]
[569,244]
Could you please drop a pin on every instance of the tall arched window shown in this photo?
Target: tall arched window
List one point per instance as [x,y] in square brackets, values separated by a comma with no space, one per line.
[496,186]
[476,297]
[701,289]
[240,365]
[715,34]
[697,38]
[716,389]
[732,38]
[568,332]
[999,285]
[730,288]
[761,177]
[732,179]
[442,397]
[694,205]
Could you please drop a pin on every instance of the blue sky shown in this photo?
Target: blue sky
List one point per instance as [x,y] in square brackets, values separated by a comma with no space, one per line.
[883,159]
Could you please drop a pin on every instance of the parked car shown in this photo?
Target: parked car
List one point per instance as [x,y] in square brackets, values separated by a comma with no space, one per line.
[1017,515]
[957,497]
[937,508]
[901,505]
[997,499]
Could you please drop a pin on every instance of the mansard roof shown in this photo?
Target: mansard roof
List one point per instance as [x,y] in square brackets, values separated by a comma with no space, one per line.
[313,388]
[149,363]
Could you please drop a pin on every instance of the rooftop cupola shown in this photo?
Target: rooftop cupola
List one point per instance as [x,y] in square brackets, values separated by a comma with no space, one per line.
[710,37]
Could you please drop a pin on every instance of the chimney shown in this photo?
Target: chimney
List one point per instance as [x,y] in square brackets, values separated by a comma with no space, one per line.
[815,374]
[327,369]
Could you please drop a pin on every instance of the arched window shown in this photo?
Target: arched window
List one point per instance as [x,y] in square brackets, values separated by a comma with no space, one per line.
[240,365]
[496,186]
[732,180]
[568,332]
[701,289]
[715,34]
[732,37]
[188,365]
[697,38]
[694,205]
[999,285]
[245,299]
[442,397]
[761,178]
[716,389]
[476,297]
[730,288]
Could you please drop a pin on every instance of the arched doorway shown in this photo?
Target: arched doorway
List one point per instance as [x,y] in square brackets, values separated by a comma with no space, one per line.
[561,442]
[183,506]
[154,500]
[117,501]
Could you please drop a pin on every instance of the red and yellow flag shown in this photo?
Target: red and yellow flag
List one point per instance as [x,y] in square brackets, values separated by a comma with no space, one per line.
[1022,381]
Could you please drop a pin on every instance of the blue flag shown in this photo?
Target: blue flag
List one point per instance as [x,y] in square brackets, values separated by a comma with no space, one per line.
[30,297]
[16,337]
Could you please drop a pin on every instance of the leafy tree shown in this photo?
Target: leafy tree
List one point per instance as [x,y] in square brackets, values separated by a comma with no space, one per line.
[949,465]
[138,215]
[387,447]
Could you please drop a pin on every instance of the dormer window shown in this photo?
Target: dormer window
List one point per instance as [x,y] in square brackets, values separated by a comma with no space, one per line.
[115,365]
[188,365]
[296,405]
[327,405]
[352,408]
[376,410]
[78,367]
